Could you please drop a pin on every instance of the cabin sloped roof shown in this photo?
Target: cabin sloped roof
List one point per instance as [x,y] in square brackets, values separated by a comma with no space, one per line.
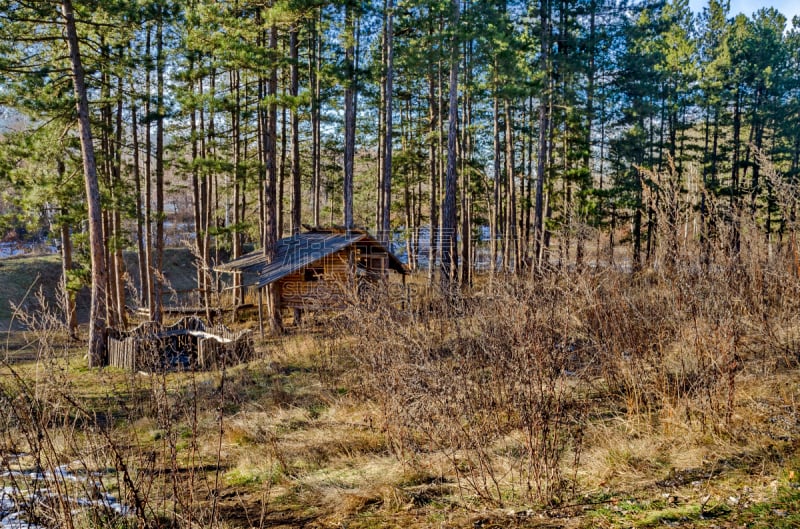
[301,250]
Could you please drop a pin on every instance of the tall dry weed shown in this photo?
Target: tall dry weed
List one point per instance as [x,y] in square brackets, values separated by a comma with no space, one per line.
[63,465]
[70,455]
[484,381]
[502,380]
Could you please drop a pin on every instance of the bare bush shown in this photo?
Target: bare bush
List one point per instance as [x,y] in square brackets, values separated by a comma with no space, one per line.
[499,380]
[68,457]
[484,383]
[56,451]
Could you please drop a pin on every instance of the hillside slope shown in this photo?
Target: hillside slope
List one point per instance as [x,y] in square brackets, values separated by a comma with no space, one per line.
[22,277]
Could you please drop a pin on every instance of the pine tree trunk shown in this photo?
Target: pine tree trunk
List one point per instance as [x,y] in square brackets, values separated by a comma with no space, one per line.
[70,318]
[137,182]
[590,88]
[119,262]
[105,174]
[433,231]
[282,169]
[315,118]
[198,217]
[387,121]
[511,214]
[238,169]
[544,133]
[295,132]
[466,156]
[449,265]
[494,226]
[526,213]
[735,199]
[97,322]
[381,134]
[349,114]
[204,234]
[158,263]
[148,187]
[270,188]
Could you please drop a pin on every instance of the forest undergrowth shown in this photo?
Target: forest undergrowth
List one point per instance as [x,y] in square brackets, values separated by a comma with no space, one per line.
[575,398]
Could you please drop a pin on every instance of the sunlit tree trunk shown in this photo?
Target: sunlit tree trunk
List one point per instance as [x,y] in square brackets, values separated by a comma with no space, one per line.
[97,322]
[270,189]
[386,202]
[349,113]
[544,133]
[158,262]
[295,132]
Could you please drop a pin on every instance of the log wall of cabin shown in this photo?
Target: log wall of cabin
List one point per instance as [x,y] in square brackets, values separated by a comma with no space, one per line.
[327,291]
[375,264]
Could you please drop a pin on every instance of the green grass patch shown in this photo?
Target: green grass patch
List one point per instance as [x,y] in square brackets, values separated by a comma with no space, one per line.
[782,513]
[21,277]
[656,513]
[244,476]
[680,513]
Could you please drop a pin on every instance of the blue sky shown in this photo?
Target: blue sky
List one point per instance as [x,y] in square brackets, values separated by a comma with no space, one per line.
[789,8]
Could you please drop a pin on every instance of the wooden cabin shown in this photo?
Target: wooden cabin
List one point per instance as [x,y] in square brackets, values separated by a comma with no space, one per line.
[318,269]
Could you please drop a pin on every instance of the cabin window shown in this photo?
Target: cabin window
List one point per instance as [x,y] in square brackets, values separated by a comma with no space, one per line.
[377,264]
[372,262]
[313,273]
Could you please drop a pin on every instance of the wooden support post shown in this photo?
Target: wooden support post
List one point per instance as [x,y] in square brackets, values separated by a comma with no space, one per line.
[351,272]
[276,319]
[260,310]
[404,303]
[235,276]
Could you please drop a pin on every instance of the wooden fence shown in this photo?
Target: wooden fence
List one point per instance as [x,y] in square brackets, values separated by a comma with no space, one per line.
[185,345]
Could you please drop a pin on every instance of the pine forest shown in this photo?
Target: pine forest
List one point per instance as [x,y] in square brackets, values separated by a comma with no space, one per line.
[399,263]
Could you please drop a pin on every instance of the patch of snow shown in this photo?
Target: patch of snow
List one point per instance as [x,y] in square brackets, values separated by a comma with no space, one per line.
[13,498]
[14,249]
[201,334]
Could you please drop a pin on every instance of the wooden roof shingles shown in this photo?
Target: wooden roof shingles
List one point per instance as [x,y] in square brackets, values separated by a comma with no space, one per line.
[299,251]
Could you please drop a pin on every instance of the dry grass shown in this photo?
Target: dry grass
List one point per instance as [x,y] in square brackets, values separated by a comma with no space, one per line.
[594,398]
